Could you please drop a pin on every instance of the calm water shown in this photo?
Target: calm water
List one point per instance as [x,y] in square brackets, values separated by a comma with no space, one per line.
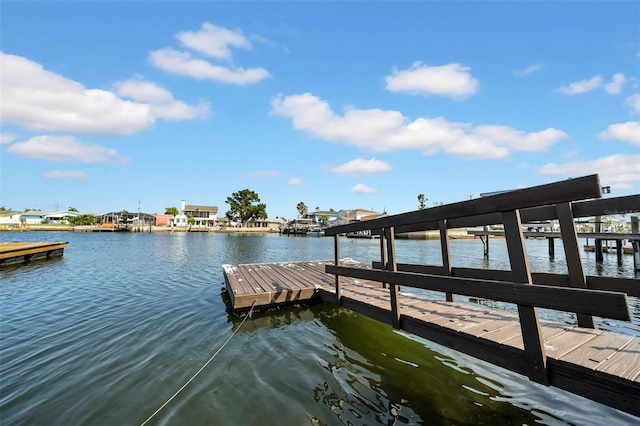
[105,335]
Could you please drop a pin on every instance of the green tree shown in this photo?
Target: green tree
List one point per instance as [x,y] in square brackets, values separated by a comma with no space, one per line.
[242,207]
[83,219]
[172,211]
[191,220]
[72,209]
[422,202]
[324,218]
[302,208]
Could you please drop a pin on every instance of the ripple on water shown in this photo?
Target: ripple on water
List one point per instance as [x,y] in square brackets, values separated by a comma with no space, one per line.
[109,332]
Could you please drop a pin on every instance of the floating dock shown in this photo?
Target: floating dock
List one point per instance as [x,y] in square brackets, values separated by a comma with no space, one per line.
[273,284]
[14,252]
[600,365]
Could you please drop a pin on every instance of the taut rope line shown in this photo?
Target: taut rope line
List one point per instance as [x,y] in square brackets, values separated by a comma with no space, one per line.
[201,368]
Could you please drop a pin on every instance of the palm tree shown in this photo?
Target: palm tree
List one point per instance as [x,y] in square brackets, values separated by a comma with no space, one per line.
[422,202]
[302,208]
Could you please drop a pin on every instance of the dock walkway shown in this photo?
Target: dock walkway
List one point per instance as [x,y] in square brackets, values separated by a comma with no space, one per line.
[15,252]
[601,365]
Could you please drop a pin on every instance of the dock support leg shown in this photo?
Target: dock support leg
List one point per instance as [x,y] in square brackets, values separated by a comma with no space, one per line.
[577,277]
[336,245]
[598,250]
[534,350]
[392,267]
[446,256]
[383,253]
[619,250]
[552,247]
[485,244]
[636,255]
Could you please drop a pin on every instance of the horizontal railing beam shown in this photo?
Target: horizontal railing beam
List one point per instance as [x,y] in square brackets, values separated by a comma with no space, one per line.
[599,303]
[607,206]
[631,286]
[565,191]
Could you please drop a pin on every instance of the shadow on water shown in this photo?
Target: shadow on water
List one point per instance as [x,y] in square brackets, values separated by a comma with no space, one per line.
[370,374]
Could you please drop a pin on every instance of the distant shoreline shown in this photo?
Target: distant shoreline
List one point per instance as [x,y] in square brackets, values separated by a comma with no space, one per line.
[423,235]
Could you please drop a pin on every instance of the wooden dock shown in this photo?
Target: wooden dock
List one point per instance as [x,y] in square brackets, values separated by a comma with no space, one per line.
[14,252]
[600,365]
[273,284]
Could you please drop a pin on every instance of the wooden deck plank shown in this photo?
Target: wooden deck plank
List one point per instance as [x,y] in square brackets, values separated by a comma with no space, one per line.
[273,280]
[568,339]
[625,362]
[595,351]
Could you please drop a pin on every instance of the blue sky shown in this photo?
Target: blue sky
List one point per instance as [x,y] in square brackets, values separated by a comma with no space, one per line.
[125,105]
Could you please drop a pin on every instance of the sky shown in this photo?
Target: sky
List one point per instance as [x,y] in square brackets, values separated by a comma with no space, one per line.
[137,105]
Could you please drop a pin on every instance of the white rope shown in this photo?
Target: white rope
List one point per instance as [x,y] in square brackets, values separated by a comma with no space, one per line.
[201,368]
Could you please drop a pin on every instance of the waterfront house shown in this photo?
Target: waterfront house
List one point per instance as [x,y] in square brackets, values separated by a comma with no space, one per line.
[61,217]
[350,216]
[203,215]
[268,225]
[163,219]
[323,217]
[32,217]
[10,218]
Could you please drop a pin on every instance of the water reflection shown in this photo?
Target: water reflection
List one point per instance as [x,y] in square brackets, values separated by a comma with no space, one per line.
[107,333]
[370,374]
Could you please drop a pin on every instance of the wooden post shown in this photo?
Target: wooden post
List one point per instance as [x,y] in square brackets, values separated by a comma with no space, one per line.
[336,245]
[619,250]
[529,323]
[598,249]
[383,253]
[392,266]
[577,277]
[635,244]
[552,247]
[597,245]
[446,256]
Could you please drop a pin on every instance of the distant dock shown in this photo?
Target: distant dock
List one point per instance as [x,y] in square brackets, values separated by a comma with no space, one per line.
[13,253]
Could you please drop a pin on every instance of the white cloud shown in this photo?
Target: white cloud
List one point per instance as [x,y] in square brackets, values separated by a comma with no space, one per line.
[40,100]
[615,87]
[626,132]
[528,70]
[183,63]
[65,174]
[214,41]
[583,86]
[383,131]
[6,138]
[633,102]
[363,189]
[295,182]
[64,148]
[620,172]
[161,102]
[144,91]
[260,174]
[451,80]
[359,166]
